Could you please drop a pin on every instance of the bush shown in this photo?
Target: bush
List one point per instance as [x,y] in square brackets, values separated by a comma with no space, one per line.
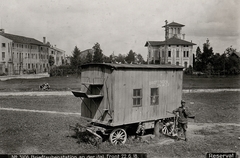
[63,70]
[189,70]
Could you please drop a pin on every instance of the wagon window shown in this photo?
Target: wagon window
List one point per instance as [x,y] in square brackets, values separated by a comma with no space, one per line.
[154,96]
[137,97]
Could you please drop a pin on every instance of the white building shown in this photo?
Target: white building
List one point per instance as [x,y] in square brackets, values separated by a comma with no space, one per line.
[179,51]
[20,55]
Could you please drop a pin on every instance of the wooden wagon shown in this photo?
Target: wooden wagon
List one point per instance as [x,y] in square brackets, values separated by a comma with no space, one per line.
[120,98]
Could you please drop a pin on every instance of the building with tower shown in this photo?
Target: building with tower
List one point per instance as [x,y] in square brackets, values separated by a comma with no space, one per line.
[173,50]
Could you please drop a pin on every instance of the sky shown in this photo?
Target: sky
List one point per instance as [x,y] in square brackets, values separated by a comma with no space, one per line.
[122,25]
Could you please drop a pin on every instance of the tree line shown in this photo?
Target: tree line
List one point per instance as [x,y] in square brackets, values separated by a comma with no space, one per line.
[78,58]
[209,63]
[98,57]
[204,62]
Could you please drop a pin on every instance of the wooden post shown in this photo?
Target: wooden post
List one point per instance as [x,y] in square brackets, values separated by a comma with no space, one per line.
[156,129]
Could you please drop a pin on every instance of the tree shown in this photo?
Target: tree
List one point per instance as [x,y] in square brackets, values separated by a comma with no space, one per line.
[130,58]
[232,61]
[107,59]
[75,59]
[120,59]
[139,59]
[51,60]
[204,60]
[206,56]
[88,58]
[198,60]
[97,56]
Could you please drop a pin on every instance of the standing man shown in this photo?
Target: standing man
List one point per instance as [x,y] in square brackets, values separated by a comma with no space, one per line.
[182,119]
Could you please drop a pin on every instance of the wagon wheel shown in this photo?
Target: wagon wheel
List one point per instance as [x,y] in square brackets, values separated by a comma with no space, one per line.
[118,136]
[167,130]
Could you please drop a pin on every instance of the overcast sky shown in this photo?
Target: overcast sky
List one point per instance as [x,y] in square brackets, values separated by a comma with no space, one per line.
[122,25]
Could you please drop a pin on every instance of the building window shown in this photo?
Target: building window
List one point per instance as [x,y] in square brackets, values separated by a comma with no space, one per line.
[185,64]
[137,97]
[17,55]
[169,62]
[177,54]
[3,55]
[169,53]
[29,66]
[177,63]
[185,53]
[3,44]
[154,96]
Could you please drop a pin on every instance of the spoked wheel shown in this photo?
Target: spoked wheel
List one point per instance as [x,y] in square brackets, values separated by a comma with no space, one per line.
[118,136]
[167,129]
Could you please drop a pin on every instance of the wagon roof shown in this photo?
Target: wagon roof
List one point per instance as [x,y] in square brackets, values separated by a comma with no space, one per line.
[133,66]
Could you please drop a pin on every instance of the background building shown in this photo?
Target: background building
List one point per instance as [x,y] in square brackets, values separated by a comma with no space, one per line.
[21,55]
[58,55]
[174,50]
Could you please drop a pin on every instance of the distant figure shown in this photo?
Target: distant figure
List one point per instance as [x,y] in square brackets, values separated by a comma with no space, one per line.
[182,119]
[44,86]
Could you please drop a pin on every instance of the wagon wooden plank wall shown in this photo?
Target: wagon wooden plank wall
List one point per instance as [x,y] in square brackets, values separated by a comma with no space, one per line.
[121,94]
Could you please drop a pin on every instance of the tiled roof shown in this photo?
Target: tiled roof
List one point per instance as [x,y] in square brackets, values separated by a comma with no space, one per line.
[21,39]
[177,41]
[84,53]
[174,24]
[171,41]
[153,43]
[237,53]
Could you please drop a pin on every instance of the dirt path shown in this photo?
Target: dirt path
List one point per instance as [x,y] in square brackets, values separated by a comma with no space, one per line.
[39,93]
[65,93]
[39,111]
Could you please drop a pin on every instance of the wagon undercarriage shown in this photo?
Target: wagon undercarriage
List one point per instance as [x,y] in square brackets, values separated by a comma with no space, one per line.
[95,133]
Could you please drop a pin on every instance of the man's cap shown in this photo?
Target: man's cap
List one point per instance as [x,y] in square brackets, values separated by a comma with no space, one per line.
[183,101]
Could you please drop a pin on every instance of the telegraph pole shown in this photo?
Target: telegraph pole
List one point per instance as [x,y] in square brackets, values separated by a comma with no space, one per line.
[166,38]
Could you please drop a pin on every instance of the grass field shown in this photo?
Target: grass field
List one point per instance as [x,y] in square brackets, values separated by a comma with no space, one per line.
[65,83]
[194,82]
[56,83]
[216,127]
[29,132]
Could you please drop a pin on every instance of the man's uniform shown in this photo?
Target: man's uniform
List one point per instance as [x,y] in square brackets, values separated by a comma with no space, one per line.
[182,119]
